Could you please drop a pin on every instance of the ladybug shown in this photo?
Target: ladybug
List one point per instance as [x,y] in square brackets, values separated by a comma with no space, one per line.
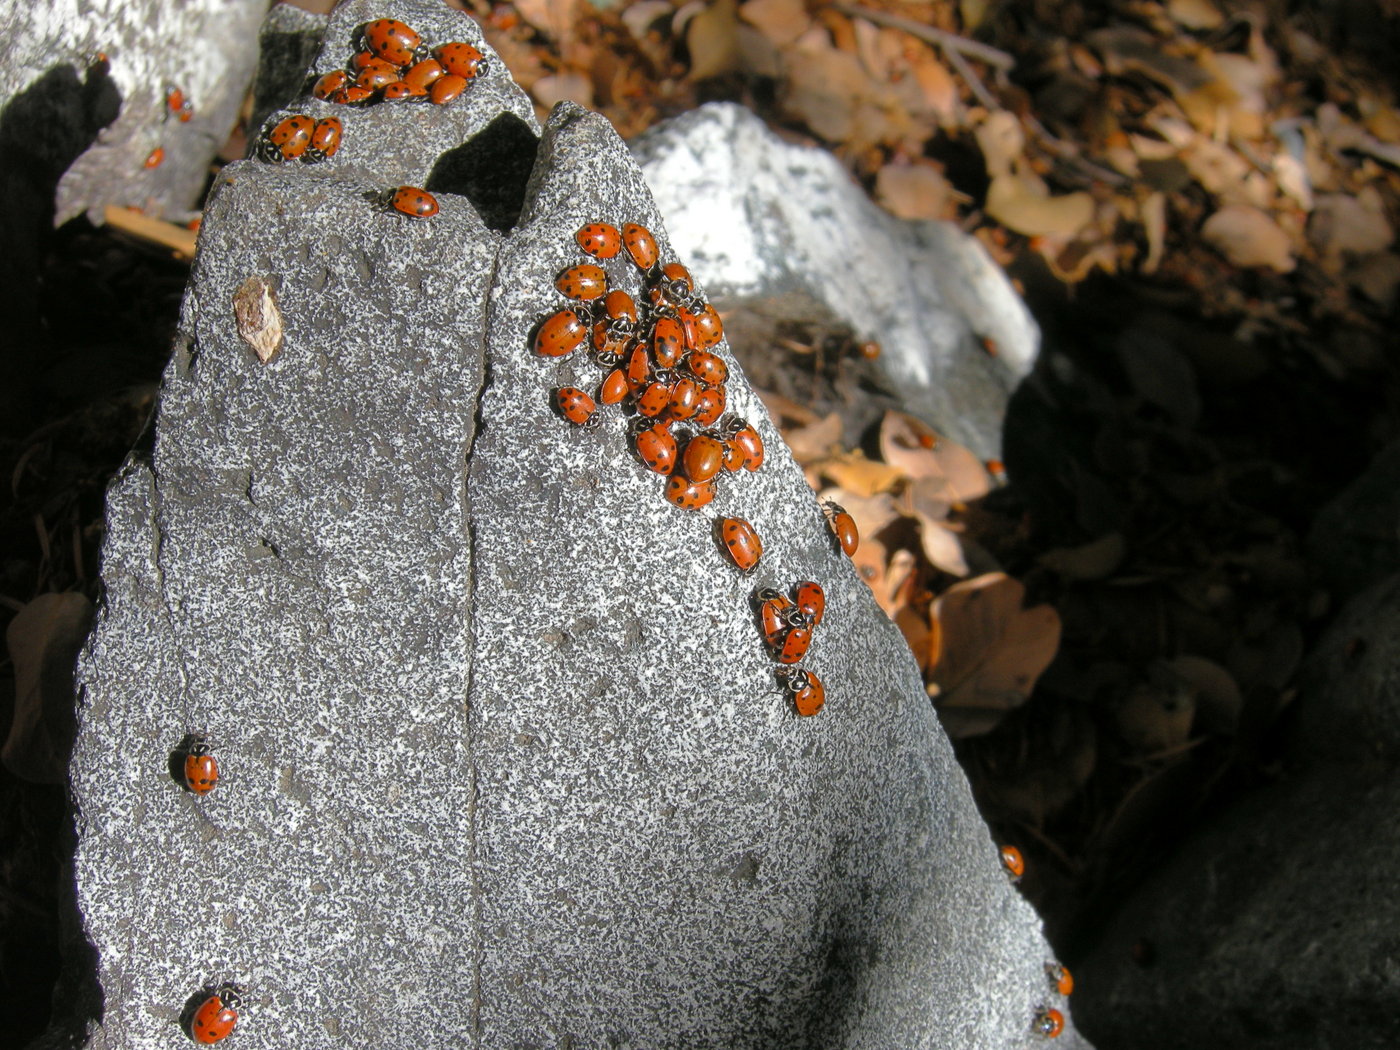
[599,240]
[155,158]
[609,344]
[641,245]
[561,334]
[793,646]
[360,59]
[329,84]
[709,407]
[398,91]
[462,60]
[446,88]
[214,1018]
[584,281]
[421,75]
[1013,862]
[667,342]
[655,446]
[811,601]
[576,406]
[676,284]
[288,139]
[638,370]
[654,399]
[352,95]
[806,689]
[742,542]
[1060,978]
[843,526]
[997,469]
[413,202]
[703,458]
[870,351]
[774,614]
[702,330]
[391,40]
[742,434]
[377,74]
[613,388]
[707,367]
[620,309]
[178,106]
[685,399]
[687,494]
[201,768]
[1048,1022]
[733,456]
[325,140]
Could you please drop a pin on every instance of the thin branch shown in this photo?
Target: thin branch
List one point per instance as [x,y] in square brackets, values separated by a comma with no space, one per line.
[951,43]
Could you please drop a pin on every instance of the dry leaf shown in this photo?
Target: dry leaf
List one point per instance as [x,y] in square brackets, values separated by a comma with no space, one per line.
[1092,561]
[1153,718]
[258,319]
[870,561]
[942,547]
[1355,225]
[916,633]
[1154,225]
[1001,140]
[1248,237]
[1194,14]
[645,17]
[863,477]
[44,638]
[554,18]
[914,191]
[827,88]
[1218,699]
[1023,204]
[908,443]
[781,21]
[816,440]
[993,649]
[559,87]
[713,39]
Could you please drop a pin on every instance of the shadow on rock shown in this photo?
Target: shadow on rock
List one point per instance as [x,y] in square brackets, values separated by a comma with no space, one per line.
[491,170]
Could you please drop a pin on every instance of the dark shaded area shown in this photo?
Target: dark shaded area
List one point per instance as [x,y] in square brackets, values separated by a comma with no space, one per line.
[491,170]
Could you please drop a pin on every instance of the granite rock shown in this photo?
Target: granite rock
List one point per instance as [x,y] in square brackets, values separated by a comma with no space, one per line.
[1355,539]
[504,761]
[783,232]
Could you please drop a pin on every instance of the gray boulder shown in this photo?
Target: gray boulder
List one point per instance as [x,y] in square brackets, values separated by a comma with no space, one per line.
[504,760]
[784,234]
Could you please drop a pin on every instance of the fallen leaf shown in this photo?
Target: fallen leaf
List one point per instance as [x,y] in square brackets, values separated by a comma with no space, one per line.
[1091,561]
[1342,224]
[554,18]
[910,444]
[1001,140]
[1218,698]
[915,629]
[1024,205]
[825,87]
[1152,718]
[1247,237]
[550,90]
[864,477]
[993,648]
[816,440]
[781,21]
[942,547]
[713,39]
[1194,14]
[914,191]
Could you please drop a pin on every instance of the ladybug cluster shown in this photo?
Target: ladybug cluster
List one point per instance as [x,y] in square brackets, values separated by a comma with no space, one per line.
[302,138]
[787,624]
[393,64]
[1049,1021]
[657,357]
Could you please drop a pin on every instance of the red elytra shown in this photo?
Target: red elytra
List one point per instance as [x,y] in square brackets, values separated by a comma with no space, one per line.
[656,447]
[391,40]
[325,139]
[461,60]
[741,542]
[638,370]
[360,59]
[401,92]
[707,367]
[773,617]
[216,1017]
[808,693]
[352,95]
[793,646]
[290,138]
[702,330]
[613,388]
[687,494]
[608,340]
[446,88]
[1060,978]
[177,105]
[844,526]
[561,334]
[155,158]
[584,281]
[415,202]
[703,458]
[1049,1022]
[330,83]
[574,405]
[746,437]
[678,278]
[667,342]
[811,601]
[710,407]
[654,400]
[599,240]
[377,74]
[201,769]
[733,456]
[685,398]
[620,308]
[1012,861]
[640,245]
[420,75]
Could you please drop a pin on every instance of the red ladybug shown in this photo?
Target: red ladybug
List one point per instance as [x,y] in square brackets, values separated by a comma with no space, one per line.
[609,343]
[811,601]
[421,75]
[1013,862]
[391,40]
[377,74]
[446,88]
[288,139]
[638,371]
[685,399]
[656,447]
[155,158]
[774,615]
[401,92]
[742,434]
[707,367]
[599,240]
[201,768]
[462,60]
[741,541]
[178,106]
[613,388]
[640,244]
[843,527]
[584,281]
[351,95]
[675,284]
[806,689]
[414,202]
[576,406]
[702,330]
[687,494]
[620,309]
[703,458]
[1048,1022]
[215,1018]
[329,84]
[793,646]
[667,342]
[325,140]
[654,400]
[710,407]
[1060,978]
[733,457]
[561,334]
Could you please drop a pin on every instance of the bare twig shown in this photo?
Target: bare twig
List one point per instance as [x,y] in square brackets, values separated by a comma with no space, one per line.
[155,231]
[951,43]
